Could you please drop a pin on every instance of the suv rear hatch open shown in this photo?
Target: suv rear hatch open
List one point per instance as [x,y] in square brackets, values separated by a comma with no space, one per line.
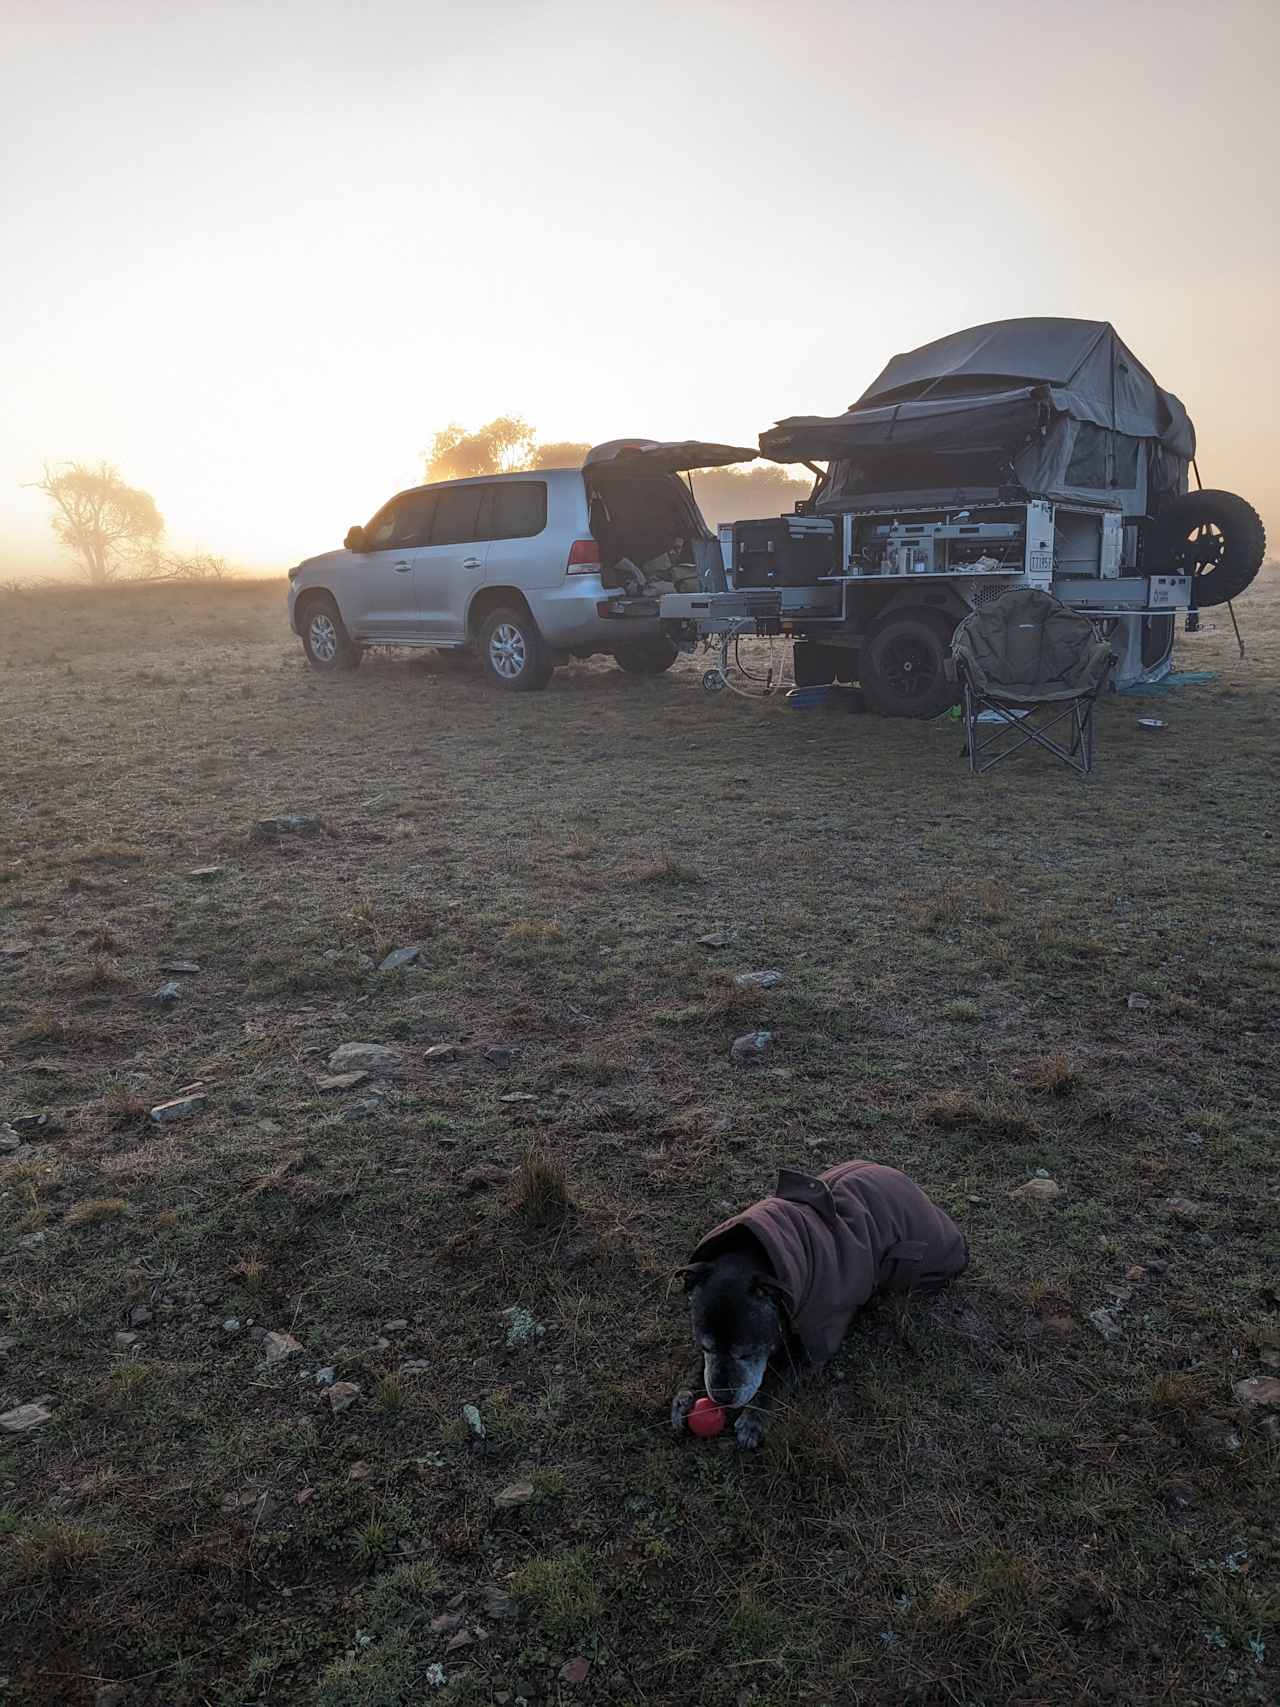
[644,517]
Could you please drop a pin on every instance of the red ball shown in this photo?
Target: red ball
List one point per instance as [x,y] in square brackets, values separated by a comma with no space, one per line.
[706,1419]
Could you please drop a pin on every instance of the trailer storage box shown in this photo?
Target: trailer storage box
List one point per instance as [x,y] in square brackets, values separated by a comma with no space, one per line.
[783,551]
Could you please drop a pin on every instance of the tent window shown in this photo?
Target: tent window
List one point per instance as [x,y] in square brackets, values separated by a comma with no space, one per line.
[1126,469]
[1088,465]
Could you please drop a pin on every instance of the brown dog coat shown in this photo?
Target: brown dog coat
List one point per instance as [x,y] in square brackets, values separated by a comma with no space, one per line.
[835,1239]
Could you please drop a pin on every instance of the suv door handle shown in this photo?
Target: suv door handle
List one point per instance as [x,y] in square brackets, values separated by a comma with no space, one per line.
[470,562]
[403,567]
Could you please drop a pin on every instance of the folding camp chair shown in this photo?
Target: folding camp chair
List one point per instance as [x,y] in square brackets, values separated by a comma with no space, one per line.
[1033,664]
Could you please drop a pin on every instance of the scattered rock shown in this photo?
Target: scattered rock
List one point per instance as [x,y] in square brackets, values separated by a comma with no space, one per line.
[758,980]
[499,1054]
[399,957]
[166,995]
[474,1421]
[342,1081]
[376,1057]
[292,824]
[1039,1190]
[364,1109]
[518,1096]
[342,1395]
[139,1315]
[751,1046]
[9,1139]
[359,1471]
[576,1670]
[15,950]
[28,1416]
[279,1345]
[1135,999]
[34,1126]
[1137,1272]
[207,873]
[188,967]
[1259,1392]
[31,1241]
[1184,1208]
[483,1179]
[231,1325]
[463,1639]
[397,1325]
[499,1604]
[717,939]
[178,1108]
[441,1052]
[327,1376]
[444,1623]
[516,1493]
[1106,1324]
[1270,1358]
[523,1329]
[125,1338]
[1156,1265]
[415,1366]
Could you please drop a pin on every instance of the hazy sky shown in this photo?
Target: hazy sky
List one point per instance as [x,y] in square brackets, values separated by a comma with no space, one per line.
[256,251]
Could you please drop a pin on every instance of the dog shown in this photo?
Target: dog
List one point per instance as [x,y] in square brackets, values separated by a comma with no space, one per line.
[772,1290]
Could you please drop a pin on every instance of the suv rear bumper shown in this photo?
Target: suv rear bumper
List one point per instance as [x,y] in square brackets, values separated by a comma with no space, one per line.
[582,614]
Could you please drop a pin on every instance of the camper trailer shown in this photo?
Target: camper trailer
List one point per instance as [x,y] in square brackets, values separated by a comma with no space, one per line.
[1035,452]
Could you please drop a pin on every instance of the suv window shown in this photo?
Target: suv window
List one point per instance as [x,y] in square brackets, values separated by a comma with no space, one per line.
[516,510]
[404,522]
[457,515]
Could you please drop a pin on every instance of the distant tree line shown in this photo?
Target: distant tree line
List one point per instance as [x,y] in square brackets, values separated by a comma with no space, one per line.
[509,445]
[115,531]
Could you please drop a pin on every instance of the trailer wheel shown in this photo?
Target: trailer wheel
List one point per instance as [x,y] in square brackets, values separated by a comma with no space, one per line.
[1216,538]
[904,666]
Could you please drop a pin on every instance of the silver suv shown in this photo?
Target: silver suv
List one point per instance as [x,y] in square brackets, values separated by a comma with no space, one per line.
[529,570]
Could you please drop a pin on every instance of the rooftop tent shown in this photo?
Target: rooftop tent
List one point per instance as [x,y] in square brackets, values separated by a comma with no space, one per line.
[1062,408]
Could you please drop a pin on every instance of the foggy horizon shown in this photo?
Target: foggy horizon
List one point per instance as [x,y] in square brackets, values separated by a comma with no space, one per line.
[262,258]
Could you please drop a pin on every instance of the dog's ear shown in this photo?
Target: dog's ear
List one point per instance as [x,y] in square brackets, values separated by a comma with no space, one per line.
[693,1274]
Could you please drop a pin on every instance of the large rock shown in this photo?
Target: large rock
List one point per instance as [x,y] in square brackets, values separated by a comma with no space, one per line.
[373,1057]
[1259,1392]
[751,1046]
[28,1416]
[1039,1190]
[277,1346]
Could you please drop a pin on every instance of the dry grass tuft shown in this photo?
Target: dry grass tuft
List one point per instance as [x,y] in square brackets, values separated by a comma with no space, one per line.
[542,1194]
[665,869]
[1056,1075]
[110,854]
[92,1209]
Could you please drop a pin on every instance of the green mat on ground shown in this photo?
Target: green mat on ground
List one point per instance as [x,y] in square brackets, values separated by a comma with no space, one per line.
[1175,679]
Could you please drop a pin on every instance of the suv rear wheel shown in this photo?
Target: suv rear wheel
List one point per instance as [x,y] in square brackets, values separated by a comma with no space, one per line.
[513,653]
[325,640]
[646,657]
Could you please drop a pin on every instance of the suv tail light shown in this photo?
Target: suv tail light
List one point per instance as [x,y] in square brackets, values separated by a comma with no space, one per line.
[584,558]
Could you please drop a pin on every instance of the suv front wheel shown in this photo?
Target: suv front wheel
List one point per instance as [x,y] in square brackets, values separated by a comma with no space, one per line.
[513,653]
[325,640]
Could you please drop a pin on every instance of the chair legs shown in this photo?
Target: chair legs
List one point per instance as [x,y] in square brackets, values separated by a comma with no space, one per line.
[1028,725]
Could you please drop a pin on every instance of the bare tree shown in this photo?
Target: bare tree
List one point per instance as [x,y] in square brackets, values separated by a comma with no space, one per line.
[155,565]
[501,446]
[98,516]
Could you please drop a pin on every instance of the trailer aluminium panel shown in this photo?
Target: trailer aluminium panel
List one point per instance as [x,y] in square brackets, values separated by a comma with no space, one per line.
[1024,453]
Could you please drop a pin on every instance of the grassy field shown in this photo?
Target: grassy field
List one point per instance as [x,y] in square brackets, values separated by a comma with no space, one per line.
[996,1499]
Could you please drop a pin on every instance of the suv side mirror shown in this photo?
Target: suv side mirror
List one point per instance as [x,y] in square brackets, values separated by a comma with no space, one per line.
[355,539]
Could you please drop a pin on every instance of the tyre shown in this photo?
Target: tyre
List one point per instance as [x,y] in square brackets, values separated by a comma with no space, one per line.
[646,657]
[325,640]
[904,666]
[1216,538]
[513,654]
